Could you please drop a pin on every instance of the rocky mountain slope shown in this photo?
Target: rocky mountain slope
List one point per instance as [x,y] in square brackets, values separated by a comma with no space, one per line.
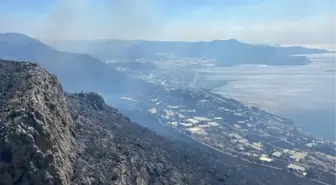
[122,152]
[51,138]
[36,143]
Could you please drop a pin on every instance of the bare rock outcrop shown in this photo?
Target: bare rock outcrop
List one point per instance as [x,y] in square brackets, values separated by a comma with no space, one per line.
[36,145]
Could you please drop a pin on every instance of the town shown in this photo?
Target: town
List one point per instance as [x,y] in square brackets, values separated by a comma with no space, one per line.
[183,101]
[247,133]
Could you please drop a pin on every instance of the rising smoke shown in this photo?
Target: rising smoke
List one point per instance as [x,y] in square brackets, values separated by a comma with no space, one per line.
[83,19]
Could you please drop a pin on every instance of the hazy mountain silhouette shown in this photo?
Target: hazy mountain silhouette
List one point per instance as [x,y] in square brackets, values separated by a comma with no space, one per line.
[225,52]
[76,71]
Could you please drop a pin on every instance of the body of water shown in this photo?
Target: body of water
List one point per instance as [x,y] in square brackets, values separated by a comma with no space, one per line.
[304,93]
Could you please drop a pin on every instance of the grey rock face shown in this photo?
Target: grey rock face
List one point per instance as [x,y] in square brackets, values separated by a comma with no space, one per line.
[36,145]
[116,151]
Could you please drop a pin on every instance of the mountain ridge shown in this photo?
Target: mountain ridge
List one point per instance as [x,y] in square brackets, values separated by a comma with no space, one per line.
[225,52]
[71,68]
[36,145]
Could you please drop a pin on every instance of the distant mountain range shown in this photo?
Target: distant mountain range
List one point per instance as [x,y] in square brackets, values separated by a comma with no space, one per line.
[224,52]
[77,72]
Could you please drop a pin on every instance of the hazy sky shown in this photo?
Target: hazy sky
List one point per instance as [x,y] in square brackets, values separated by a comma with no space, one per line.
[290,22]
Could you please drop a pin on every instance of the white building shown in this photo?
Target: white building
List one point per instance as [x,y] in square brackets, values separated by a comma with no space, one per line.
[299,156]
[277,154]
[296,167]
[265,159]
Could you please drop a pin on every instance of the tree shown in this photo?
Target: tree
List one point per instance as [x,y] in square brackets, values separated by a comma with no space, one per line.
[310,173]
[5,154]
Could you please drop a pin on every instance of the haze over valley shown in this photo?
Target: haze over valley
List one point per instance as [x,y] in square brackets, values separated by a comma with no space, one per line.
[167,92]
[281,85]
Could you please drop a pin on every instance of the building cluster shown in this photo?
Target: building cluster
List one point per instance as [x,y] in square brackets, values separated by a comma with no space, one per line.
[242,131]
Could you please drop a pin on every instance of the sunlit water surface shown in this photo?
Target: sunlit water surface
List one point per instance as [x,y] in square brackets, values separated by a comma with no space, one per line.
[304,93]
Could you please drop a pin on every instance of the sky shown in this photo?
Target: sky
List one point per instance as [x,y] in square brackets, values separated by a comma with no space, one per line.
[284,22]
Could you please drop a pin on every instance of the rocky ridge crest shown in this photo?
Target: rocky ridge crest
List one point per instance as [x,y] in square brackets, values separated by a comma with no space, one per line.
[36,144]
